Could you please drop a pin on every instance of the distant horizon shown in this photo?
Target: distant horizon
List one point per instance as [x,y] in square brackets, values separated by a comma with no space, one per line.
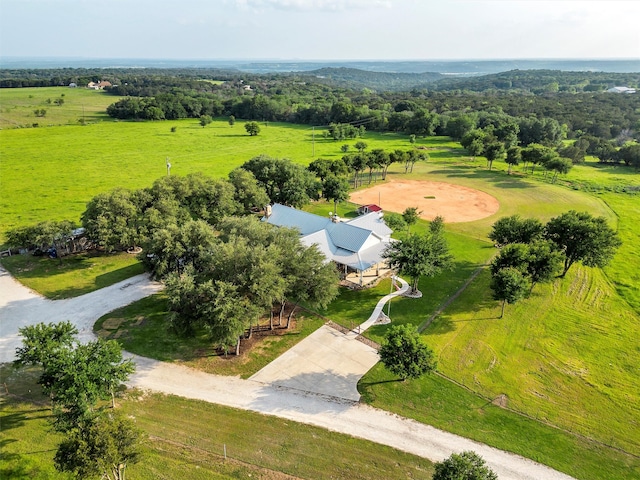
[459,67]
[318,60]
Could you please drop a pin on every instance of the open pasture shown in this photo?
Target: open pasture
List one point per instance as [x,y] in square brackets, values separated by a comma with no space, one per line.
[51,173]
[17,106]
[187,439]
[566,355]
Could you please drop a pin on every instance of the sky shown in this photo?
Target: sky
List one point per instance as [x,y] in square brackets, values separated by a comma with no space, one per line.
[320,29]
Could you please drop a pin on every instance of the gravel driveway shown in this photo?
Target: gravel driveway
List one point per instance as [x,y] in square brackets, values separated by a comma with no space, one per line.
[19,307]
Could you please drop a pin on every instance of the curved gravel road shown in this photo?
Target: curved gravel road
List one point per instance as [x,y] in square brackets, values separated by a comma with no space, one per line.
[19,307]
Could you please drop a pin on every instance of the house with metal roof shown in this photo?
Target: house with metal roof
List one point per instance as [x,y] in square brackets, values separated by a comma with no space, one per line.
[356,245]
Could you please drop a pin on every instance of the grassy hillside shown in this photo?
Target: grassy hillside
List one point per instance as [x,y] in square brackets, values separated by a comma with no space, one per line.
[50,173]
[17,106]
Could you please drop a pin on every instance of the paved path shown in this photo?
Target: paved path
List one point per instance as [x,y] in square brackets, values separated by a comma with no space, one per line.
[20,307]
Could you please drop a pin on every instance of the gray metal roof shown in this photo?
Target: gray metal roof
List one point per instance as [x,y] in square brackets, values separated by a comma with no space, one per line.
[372,221]
[341,242]
[306,223]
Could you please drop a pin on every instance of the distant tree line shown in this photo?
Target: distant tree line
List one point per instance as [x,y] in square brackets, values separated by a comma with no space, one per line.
[542,115]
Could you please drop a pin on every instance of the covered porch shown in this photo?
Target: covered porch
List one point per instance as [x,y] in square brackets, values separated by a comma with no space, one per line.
[354,278]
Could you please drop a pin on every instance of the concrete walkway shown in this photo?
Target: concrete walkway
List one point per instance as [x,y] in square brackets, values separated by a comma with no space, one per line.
[19,307]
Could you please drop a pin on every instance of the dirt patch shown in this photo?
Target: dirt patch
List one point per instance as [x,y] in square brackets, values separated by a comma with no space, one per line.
[112,323]
[453,202]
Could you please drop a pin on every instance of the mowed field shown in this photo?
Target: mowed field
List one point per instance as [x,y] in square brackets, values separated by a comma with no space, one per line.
[568,355]
[51,173]
[17,106]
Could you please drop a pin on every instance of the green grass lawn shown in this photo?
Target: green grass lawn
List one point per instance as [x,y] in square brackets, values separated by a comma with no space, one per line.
[144,328]
[51,173]
[186,439]
[73,275]
[562,356]
[17,106]
[568,355]
[436,401]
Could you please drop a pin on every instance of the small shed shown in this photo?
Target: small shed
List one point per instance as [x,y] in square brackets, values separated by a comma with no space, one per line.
[364,209]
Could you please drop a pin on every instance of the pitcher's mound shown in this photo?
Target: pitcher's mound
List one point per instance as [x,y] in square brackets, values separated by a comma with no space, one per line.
[453,202]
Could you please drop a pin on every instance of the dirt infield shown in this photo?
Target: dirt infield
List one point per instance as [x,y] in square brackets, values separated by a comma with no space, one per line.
[453,202]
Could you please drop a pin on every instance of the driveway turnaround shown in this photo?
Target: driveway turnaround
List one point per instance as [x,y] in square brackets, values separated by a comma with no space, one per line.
[283,394]
[20,307]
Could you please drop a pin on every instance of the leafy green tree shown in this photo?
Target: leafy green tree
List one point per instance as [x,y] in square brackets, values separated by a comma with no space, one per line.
[630,155]
[252,128]
[344,148]
[232,120]
[414,156]
[509,285]
[514,156]
[361,146]
[112,219]
[248,192]
[383,160]
[539,261]
[463,466]
[335,189]
[42,343]
[75,377]
[514,255]
[214,306]
[544,262]
[457,127]
[473,142]
[513,229]
[338,168]
[394,221]
[205,120]
[411,215]
[173,248]
[537,154]
[404,353]
[356,163]
[582,238]
[372,164]
[493,151]
[42,235]
[309,279]
[558,165]
[285,182]
[420,255]
[100,449]
[321,167]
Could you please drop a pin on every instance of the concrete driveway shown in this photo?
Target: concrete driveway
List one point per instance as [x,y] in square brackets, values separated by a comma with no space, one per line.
[327,362]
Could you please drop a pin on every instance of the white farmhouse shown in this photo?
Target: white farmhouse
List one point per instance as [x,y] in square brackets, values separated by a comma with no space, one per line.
[356,245]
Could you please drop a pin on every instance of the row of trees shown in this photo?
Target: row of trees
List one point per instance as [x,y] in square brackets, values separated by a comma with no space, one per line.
[306,98]
[533,253]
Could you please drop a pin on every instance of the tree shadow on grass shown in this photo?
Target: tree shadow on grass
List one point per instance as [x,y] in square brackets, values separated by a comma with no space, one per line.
[498,178]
